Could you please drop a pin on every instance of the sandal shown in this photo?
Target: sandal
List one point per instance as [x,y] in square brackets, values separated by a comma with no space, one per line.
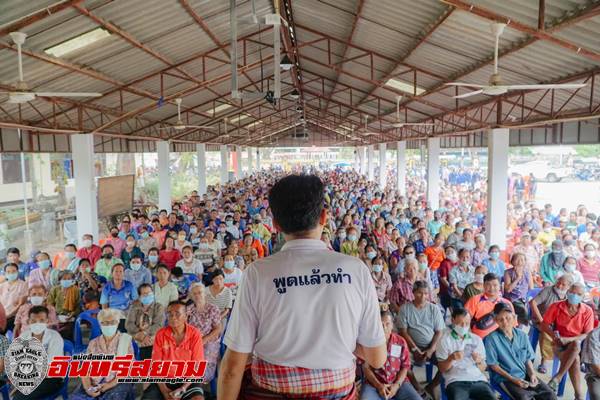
[553,384]
[542,369]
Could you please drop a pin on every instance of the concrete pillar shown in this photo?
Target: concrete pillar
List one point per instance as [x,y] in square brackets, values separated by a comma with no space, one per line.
[86,202]
[201,153]
[164,176]
[362,150]
[237,166]
[401,168]
[258,168]
[356,160]
[497,186]
[224,165]
[433,172]
[370,163]
[250,166]
[382,165]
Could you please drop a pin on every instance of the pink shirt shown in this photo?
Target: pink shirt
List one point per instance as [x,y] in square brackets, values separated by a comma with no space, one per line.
[22,316]
[11,294]
[37,277]
[588,269]
[117,243]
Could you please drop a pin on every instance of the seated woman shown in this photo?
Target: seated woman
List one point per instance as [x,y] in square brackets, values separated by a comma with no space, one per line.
[41,275]
[110,342]
[165,291]
[85,278]
[219,295]
[37,297]
[207,318]
[118,293]
[390,382]
[144,319]
[13,294]
[65,298]
[53,344]
[517,282]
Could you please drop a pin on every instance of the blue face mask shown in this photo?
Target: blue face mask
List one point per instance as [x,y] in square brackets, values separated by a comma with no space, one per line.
[377,268]
[122,235]
[494,255]
[371,255]
[573,298]
[66,283]
[44,264]
[153,259]
[148,299]
[229,264]
[109,330]
[12,276]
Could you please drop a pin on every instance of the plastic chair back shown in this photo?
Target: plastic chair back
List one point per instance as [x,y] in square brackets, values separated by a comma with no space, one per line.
[87,316]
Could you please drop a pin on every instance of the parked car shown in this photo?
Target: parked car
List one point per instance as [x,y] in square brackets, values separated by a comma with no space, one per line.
[542,171]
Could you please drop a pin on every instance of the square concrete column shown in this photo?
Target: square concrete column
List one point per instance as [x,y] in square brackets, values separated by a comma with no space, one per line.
[382,165]
[498,140]
[164,176]
[201,153]
[362,150]
[86,202]
[250,150]
[401,168]
[224,165]
[237,166]
[258,167]
[370,162]
[433,172]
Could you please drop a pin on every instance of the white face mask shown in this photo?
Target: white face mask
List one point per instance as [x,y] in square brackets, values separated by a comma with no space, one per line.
[479,278]
[36,300]
[38,328]
[86,243]
[590,253]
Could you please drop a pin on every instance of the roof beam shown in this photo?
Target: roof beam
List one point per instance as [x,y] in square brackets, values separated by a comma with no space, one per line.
[37,16]
[359,9]
[539,34]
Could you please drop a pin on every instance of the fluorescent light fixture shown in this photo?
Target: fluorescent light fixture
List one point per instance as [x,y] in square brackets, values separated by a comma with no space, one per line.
[286,63]
[346,128]
[77,42]
[239,118]
[403,86]
[252,125]
[219,108]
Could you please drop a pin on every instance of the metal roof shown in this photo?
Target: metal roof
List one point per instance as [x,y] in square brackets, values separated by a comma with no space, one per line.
[346,51]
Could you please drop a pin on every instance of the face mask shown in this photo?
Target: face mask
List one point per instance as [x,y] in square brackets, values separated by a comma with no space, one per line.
[122,235]
[229,264]
[461,330]
[193,231]
[135,266]
[460,230]
[494,255]
[44,264]
[181,238]
[147,299]
[70,255]
[204,246]
[38,328]
[389,231]
[547,230]
[352,238]
[410,256]
[255,235]
[342,235]
[479,278]
[86,243]
[36,300]
[66,283]
[153,259]
[229,223]
[422,266]
[573,298]
[377,268]
[109,330]
[371,255]
[12,276]
[570,267]
[108,256]
[464,264]
[130,244]
[452,257]
[144,235]
[114,234]
[560,293]
[590,253]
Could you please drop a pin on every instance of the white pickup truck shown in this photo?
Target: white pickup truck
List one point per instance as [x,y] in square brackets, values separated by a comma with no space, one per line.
[542,171]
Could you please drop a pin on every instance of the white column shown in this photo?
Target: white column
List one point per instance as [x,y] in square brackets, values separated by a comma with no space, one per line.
[433,172]
[250,166]
[258,159]
[382,165]
[86,202]
[401,168]
[201,152]
[497,186]
[224,164]
[370,163]
[238,162]
[356,160]
[164,176]
[363,159]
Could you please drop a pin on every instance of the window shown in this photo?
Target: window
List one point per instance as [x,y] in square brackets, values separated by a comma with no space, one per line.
[11,168]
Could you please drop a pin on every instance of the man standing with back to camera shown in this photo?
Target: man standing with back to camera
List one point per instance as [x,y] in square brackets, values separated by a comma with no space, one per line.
[303,312]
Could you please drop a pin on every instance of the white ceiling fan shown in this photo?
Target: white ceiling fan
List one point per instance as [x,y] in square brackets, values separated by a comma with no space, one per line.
[401,124]
[179,125]
[21,92]
[231,135]
[495,86]
[367,133]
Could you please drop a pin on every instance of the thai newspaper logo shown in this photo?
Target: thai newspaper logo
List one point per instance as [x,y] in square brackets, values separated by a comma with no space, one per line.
[26,364]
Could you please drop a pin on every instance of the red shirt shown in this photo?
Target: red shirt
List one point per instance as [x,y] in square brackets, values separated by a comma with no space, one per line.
[444,272]
[566,324]
[190,349]
[397,359]
[169,257]
[93,254]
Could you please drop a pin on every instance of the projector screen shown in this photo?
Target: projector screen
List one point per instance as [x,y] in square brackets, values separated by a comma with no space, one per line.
[115,195]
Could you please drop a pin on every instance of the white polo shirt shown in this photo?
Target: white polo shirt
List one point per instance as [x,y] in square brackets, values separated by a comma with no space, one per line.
[464,370]
[305,306]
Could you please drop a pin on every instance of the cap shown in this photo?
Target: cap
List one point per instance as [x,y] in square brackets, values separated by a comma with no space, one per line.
[500,307]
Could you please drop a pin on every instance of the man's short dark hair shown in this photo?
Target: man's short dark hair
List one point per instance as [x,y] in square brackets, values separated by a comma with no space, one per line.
[144,285]
[297,202]
[420,285]
[38,310]
[13,250]
[490,276]
[459,312]
[502,307]
[176,303]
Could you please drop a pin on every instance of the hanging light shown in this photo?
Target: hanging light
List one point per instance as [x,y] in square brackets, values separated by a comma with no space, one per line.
[286,63]
[294,95]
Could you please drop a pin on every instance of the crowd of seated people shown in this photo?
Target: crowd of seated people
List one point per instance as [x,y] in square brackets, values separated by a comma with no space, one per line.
[448,299]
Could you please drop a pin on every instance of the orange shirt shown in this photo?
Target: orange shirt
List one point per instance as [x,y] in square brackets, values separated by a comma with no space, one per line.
[567,325]
[165,347]
[480,305]
[435,256]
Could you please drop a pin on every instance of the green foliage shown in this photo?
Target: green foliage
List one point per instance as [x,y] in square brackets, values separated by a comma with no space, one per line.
[587,150]
[520,151]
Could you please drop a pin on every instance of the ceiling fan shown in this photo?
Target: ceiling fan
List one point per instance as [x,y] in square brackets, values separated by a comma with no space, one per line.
[21,93]
[401,124]
[231,135]
[179,125]
[367,133]
[495,86]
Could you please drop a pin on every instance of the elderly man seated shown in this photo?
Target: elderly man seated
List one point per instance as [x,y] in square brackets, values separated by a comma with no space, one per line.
[539,305]
[568,322]
[510,359]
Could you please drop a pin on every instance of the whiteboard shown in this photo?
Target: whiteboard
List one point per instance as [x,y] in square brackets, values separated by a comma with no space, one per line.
[115,195]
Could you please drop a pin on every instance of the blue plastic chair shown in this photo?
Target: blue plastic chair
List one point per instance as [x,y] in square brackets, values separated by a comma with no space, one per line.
[191,277]
[9,335]
[563,381]
[503,394]
[68,350]
[534,337]
[102,280]
[4,391]
[136,350]
[96,331]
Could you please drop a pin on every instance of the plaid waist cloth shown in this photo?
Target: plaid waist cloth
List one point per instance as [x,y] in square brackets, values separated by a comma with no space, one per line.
[295,382]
